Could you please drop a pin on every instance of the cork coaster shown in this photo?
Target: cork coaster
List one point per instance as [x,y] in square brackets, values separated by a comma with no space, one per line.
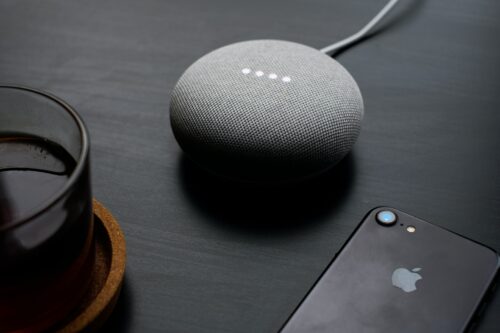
[107,276]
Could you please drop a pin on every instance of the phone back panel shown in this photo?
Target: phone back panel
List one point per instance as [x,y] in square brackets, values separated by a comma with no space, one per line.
[356,292]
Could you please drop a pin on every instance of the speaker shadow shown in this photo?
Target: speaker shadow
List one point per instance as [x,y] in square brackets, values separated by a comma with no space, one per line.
[266,209]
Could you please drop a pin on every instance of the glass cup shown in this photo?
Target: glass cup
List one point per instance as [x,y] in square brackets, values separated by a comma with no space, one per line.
[46,220]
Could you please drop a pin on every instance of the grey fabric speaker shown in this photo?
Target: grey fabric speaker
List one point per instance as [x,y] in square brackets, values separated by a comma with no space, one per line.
[266,110]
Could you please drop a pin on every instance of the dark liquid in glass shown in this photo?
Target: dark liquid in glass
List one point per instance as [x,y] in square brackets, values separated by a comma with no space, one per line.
[32,171]
[43,277]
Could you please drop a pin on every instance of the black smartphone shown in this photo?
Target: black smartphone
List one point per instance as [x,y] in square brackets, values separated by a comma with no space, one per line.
[397,273]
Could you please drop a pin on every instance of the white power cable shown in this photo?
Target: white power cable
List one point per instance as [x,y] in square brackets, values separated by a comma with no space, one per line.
[361,33]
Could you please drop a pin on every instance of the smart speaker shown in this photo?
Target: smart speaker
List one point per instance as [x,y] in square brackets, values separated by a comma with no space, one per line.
[268,110]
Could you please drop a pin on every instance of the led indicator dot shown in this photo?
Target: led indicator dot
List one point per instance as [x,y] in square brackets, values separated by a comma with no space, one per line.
[259,73]
[286,79]
[273,76]
[246,71]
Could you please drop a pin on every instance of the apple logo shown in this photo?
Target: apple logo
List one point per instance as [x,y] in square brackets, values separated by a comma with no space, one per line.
[406,279]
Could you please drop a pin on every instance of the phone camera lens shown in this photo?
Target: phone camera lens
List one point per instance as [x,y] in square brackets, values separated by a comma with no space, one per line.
[386,217]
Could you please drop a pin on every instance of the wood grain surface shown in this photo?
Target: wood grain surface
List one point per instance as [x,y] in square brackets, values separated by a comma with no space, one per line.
[211,256]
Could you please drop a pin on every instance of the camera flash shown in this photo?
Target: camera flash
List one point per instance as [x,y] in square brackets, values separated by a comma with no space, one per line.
[411,229]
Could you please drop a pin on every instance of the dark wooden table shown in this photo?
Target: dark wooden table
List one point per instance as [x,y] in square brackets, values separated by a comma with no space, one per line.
[211,256]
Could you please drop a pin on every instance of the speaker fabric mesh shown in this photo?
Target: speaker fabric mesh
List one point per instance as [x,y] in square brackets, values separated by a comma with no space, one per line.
[266,110]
